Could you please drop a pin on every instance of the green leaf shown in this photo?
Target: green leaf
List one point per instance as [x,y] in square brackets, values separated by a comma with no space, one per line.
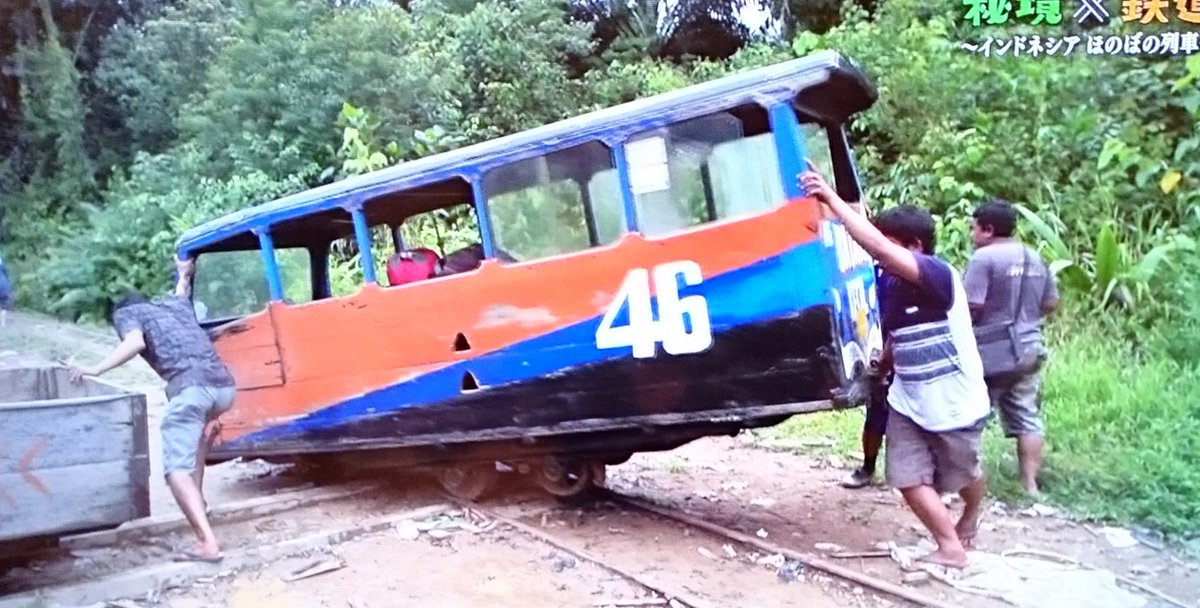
[1185,147]
[1108,257]
[1111,148]
[1058,266]
[1169,180]
[1192,104]
[1045,231]
[1076,279]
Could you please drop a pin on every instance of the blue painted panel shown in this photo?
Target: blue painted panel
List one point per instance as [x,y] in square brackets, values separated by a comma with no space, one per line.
[762,291]
[274,284]
[362,234]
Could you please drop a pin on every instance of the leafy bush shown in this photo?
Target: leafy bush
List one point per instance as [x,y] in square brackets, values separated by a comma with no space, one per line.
[128,243]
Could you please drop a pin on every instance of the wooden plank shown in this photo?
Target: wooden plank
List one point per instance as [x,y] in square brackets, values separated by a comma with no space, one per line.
[249,346]
[53,501]
[29,385]
[20,384]
[42,438]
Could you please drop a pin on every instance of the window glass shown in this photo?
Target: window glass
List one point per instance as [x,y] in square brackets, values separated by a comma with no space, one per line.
[701,170]
[816,146]
[234,283]
[565,201]
[345,264]
[442,230]
[608,208]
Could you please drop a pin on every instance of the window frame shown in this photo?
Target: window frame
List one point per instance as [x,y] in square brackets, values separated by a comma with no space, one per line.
[586,202]
[310,259]
[754,120]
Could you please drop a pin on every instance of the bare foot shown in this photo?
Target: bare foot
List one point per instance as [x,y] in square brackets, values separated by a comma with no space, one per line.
[943,557]
[966,531]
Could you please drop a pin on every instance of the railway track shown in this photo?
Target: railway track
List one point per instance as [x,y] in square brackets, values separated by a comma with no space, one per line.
[736,551]
[669,556]
[650,546]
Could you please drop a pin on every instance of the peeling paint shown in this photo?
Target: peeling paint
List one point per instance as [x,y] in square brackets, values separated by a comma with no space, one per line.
[505,314]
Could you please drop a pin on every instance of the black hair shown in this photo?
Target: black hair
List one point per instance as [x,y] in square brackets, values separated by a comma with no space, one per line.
[128,299]
[999,215]
[908,224]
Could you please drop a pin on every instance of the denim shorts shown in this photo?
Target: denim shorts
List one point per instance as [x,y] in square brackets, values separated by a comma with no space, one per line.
[183,426]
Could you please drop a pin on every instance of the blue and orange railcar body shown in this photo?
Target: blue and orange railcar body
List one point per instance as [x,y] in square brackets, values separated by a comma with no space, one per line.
[512,354]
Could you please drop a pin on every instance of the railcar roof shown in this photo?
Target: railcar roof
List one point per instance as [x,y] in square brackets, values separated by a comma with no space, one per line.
[825,86]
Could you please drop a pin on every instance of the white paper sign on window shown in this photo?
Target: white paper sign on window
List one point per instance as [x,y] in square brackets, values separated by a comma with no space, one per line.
[647,162]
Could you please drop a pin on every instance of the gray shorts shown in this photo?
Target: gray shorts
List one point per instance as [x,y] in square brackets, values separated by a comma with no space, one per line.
[1018,398]
[183,425]
[948,461]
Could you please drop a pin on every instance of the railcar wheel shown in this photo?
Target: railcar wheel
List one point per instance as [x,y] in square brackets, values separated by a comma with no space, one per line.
[468,482]
[565,478]
[599,474]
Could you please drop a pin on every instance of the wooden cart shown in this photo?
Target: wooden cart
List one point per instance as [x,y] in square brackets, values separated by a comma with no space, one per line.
[73,457]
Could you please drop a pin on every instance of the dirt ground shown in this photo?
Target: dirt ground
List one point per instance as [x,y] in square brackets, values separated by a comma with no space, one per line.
[788,498]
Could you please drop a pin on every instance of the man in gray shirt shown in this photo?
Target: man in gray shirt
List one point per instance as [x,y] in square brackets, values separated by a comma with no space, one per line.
[1010,290]
[200,388]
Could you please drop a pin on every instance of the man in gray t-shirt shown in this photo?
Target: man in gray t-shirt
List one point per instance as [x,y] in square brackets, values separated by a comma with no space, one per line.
[200,388]
[1010,290]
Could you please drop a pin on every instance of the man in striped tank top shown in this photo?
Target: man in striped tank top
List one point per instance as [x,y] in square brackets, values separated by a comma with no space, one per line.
[938,401]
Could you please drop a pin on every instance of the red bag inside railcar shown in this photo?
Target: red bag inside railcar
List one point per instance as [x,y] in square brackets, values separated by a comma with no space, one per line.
[412,265]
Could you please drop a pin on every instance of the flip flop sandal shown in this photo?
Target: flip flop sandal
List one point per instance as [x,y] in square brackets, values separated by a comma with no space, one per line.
[192,556]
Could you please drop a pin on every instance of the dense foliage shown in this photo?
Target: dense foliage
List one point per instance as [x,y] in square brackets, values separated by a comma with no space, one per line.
[127,126]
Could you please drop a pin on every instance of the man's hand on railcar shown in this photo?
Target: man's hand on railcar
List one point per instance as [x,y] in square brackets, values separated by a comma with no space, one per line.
[186,269]
[895,258]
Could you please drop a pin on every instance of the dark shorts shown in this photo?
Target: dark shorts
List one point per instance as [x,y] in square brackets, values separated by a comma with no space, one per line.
[877,407]
[946,460]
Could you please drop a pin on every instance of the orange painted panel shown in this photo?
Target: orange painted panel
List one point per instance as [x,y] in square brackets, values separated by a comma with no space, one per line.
[248,347]
[335,349]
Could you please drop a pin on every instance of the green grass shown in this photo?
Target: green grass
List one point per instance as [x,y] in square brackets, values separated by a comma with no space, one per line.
[1123,436]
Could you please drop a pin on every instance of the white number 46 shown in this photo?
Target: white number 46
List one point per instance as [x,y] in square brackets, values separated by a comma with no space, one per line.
[643,332]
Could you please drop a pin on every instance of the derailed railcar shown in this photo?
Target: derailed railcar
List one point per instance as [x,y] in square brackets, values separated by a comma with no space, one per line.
[636,278]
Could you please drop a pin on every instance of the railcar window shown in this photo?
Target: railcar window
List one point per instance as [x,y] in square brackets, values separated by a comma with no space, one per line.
[442,230]
[816,146]
[565,201]
[719,166]
[234,283]
[607,205]
[345,264]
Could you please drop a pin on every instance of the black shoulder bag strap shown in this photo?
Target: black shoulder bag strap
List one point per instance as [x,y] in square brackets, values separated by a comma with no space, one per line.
[1012,328]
